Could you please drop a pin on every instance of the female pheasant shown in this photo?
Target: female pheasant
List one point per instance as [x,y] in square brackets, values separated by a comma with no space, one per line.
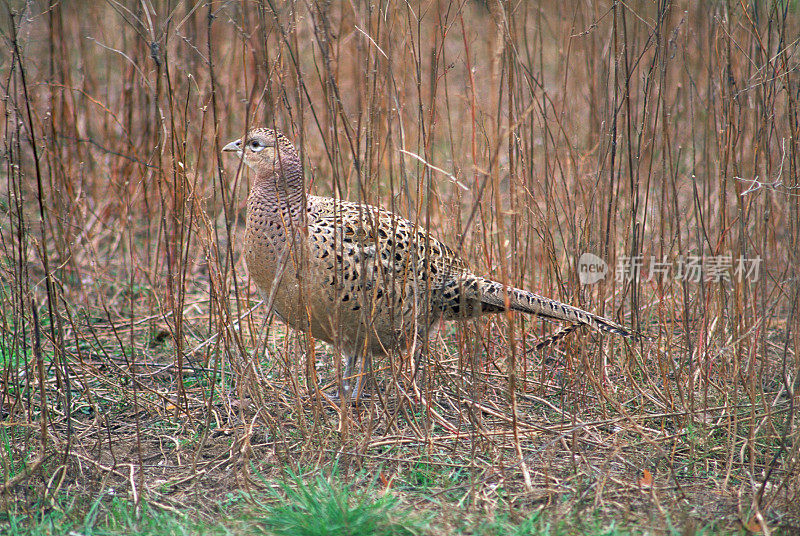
[359,277]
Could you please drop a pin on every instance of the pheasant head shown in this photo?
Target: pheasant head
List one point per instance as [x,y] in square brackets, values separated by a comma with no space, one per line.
[274,160]
[263,148]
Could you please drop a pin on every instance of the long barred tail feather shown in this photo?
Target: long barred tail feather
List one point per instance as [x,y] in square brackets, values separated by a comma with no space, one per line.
[492,293]
[557,336]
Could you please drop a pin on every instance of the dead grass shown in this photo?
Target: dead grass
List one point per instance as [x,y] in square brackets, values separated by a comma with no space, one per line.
[131,334]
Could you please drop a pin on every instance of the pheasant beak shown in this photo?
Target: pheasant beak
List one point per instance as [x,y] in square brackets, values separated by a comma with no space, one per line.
[234,146]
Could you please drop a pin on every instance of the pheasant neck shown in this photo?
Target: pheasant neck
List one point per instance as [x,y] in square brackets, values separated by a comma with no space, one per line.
[280,194]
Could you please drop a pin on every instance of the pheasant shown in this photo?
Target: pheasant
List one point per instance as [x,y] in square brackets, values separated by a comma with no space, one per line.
[359,277]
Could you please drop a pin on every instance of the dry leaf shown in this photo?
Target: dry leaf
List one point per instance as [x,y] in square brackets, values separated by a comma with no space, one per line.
[753,526]
[387,483]
[646,479]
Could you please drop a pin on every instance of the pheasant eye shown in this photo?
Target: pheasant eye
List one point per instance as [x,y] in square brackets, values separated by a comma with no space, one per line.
[256,145]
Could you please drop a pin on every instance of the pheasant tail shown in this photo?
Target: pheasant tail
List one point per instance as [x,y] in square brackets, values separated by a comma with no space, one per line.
[493,294]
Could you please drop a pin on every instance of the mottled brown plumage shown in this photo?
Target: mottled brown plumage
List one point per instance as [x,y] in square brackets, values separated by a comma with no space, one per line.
[359,277]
